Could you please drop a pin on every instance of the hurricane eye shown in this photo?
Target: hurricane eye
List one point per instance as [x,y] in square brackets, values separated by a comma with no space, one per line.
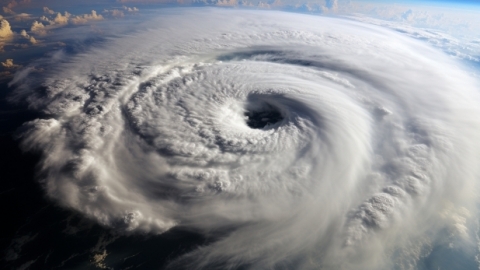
[262,116]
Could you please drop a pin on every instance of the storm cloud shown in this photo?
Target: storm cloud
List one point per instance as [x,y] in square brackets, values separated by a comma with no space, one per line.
[293,141]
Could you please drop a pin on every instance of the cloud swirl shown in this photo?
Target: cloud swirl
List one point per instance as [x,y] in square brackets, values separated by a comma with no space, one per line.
[292,141]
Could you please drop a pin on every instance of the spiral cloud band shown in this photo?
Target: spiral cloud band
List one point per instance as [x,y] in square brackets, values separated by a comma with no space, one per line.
[292,141]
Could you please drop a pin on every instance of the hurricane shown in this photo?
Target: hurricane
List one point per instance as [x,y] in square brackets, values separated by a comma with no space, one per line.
[290,141]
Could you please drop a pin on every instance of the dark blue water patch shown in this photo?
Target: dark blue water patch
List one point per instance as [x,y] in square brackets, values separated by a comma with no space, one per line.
[263,117]
[51,237]
[446,257]
[12,116]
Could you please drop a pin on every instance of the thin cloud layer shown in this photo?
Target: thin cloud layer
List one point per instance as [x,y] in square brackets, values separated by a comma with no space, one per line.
[290,140]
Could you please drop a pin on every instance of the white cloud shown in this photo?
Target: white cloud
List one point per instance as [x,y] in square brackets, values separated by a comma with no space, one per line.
[5,29]
[115,13]
[81,19]
[47,20]
[130,9]
[48,11]
[38,28]
[9,64]
[23,17]
[62,19]
[25,35]
[453,21]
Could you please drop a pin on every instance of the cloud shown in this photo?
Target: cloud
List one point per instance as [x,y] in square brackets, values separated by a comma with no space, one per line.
[462,21]
[23,17]
[46,19]
[227,3]
[38,28]
[332,4]
[9,64]
[66,18]
[8,10]
[25,35]
[5,29]
[324,6]
[62,19]
[130,9]
[12,4]
[289,144]
[149,1]
[115,13]
[48,11]
[81,19]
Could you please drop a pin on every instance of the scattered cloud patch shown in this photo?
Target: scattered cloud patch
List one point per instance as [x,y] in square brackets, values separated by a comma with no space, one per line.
[82,19]
[48,11]
[38,28]
[23,17]
[30,38]
[130,9]
[7,10]
[9,64]
[62,19]
[116,13]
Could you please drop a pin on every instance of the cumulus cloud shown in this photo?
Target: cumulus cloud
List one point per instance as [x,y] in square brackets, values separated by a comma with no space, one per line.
[47,20]
[25,35]
[5,29]
[38,28]
[48,11]
[119,13]
[9,64]
[81,19]
[290,145]
[130,9]
[62,19]
[302,5]
[115,13]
